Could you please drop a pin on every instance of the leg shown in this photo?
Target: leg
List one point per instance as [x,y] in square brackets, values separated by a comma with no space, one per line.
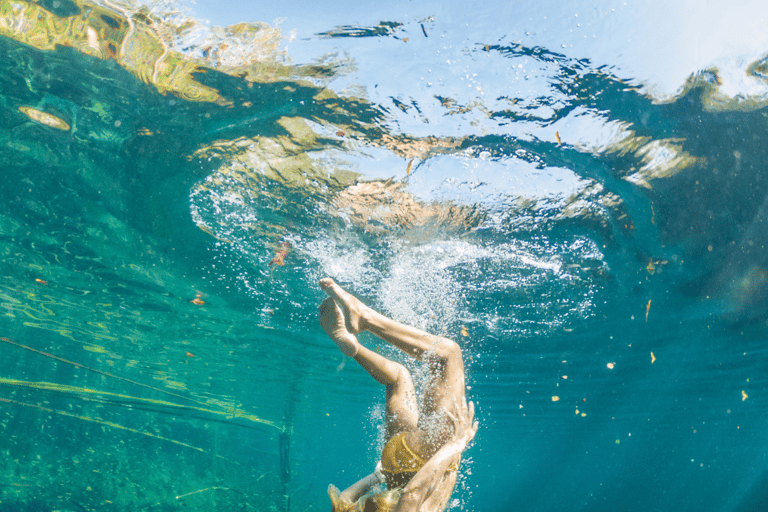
[359,317]
[402,411]
[332,322]
[441,354]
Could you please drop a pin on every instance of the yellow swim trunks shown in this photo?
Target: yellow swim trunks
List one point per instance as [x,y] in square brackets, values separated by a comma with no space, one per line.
[397,457]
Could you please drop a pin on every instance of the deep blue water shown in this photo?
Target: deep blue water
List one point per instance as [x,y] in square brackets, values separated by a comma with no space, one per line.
[593,237]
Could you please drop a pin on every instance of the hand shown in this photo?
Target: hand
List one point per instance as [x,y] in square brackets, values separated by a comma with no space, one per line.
[464,426]
[339,501]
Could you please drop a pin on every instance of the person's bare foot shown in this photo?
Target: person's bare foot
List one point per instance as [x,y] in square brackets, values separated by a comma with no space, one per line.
[332,322]
[354,311]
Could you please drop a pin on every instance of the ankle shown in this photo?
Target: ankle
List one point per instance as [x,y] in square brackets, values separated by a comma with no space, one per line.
[366,319]
[347,343]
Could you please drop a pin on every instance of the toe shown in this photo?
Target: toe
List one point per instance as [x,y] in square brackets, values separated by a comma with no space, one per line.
[333,290]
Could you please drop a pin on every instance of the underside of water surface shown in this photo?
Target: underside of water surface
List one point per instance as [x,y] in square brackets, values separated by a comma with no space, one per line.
[527,183]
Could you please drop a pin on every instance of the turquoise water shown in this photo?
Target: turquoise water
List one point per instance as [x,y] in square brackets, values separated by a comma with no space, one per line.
[593,239]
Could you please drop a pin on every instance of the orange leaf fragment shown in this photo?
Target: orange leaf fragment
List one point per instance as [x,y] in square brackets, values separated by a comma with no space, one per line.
[190,354]
[280,255]
[197,301]
[647,309]
[464,331]
[41,281]
[557,136]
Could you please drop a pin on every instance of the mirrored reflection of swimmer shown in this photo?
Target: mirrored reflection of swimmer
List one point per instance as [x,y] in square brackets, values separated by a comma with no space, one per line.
[420,460]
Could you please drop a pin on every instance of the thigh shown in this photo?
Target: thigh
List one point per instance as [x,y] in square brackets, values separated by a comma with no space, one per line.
[444,391]
[402,413]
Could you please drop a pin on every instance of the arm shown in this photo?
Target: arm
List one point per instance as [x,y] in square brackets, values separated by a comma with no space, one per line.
[345,501]
[365,484]
[429,476]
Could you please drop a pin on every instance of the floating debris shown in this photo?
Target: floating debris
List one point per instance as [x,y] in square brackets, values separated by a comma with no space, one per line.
[44,118]
[464,331]
[555,398]
[557,136]
[744,395]
[280,255]
[654,266]
[190,354]
[408,169]
[41,281]
[647,309]
[653,358]
[611,366]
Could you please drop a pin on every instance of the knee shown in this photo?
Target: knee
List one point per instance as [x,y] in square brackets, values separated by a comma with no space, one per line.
[448,350]
[403,375]
[399,376]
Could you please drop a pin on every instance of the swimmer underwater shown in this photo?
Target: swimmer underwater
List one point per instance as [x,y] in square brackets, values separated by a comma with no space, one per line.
[421,457]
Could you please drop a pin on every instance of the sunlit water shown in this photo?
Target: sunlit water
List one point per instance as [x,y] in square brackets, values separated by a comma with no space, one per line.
[588,226]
